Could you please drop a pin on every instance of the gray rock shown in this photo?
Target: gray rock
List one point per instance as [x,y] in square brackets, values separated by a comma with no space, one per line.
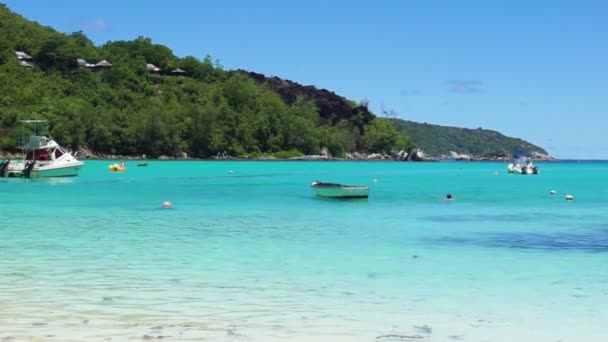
[375,156]
[358,156]
[325,152]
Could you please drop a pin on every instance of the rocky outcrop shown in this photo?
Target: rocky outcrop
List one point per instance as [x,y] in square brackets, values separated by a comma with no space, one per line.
[332,107]
[459,156]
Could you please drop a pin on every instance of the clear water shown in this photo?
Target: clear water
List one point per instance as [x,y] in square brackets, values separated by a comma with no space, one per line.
[252,256]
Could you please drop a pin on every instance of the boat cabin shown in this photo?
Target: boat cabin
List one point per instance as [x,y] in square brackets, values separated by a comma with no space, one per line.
[53,153]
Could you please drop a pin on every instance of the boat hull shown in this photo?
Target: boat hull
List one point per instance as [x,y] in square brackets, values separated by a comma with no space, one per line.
[69,169]
[64,171]
[341,191]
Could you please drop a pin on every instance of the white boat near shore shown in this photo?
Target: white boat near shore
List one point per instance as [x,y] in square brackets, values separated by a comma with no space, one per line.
[522,164]
[335,190]
[43,157]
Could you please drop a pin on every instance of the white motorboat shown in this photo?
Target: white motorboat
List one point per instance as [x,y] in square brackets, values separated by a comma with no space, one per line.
[43,157]
[335,190]
[522,164]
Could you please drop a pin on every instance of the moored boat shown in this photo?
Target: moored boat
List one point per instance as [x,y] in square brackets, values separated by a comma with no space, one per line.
[335,190]
[43,156]
[522,164]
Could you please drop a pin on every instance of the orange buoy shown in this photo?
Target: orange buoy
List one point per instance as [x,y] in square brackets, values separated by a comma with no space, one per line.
[167,205]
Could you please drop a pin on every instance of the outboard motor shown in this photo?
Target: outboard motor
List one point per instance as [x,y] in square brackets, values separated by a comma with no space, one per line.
[27,170]
[4,167]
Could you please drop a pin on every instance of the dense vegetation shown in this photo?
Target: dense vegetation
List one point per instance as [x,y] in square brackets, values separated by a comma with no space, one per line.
[438,140]
[128,110]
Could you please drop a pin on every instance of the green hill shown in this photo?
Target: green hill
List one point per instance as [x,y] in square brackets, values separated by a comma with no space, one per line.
[151,102]
[129,110]
[440,141]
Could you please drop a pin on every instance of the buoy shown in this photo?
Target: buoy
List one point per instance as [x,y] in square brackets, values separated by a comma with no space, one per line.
[230,171]
[553,192]
[167,205]
[375,180]
[569,197]
[448,197]
[496,173]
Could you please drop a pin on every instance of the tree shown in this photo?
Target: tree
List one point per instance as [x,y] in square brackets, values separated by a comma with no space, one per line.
[381,136]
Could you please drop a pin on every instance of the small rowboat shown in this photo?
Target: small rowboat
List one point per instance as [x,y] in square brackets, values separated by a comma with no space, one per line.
[335,190]
[142,164]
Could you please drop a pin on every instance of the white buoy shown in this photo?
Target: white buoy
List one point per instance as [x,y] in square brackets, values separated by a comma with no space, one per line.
[496,173]
[375,180]
[231,172]
[553,192]
[569,197]
[167,205]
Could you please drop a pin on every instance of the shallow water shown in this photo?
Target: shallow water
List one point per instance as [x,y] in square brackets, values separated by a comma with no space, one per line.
[251,255]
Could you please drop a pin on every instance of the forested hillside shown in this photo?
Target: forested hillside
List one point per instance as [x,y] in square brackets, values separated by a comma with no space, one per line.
[136,97]
[129,109]
[439,141]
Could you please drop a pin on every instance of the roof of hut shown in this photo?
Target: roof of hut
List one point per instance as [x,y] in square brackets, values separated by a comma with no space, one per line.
[103,63]
[22,55]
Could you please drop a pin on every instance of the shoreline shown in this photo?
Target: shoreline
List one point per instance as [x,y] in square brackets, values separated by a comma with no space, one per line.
[413,156]
[305,159]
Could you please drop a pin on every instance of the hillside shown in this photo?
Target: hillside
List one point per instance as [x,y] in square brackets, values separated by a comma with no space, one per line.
[136,97]
[440,141]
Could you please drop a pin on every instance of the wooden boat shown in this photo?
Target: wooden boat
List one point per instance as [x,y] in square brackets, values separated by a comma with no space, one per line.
[142,164]
[334,190]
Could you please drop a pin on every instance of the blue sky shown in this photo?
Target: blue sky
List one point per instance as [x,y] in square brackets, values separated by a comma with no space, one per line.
[531,69]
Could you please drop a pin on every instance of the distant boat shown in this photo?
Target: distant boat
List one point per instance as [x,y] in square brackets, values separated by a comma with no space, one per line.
[522,164]
[334,190]
[142,164]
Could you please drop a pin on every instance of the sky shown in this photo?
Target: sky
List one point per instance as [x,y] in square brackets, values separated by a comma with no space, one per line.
[531,69]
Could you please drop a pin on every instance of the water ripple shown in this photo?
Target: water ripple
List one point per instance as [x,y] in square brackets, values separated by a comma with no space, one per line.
[591,241]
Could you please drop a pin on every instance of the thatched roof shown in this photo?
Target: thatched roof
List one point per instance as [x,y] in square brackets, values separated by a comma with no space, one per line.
[103,63]
[178,71]
[22,55]
[152,67]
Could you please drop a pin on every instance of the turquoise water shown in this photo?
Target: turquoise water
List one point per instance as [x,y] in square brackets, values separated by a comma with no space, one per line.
[252,256]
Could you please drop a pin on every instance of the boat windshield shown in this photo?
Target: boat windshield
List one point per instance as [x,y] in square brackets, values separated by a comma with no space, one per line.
[42,154]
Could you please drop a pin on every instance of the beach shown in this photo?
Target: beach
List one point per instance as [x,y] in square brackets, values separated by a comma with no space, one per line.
[247,253]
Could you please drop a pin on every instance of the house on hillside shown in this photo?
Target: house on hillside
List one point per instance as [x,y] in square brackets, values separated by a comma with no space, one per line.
[152,68]
[22,56]
[24,59]
[83,63]
[103,64]
[178,72]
